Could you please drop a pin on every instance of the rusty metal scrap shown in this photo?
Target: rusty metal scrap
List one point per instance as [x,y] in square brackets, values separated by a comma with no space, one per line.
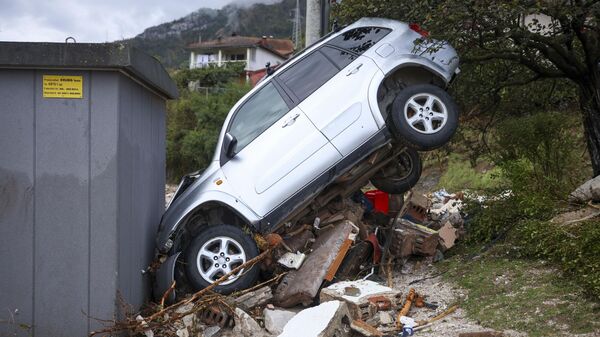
[407,305]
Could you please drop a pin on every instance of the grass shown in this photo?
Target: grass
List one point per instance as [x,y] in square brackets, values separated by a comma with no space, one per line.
[524,295]
[459,175]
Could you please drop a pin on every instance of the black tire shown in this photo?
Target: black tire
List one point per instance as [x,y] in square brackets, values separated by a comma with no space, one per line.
[416,136]
[400,175]
[211,234]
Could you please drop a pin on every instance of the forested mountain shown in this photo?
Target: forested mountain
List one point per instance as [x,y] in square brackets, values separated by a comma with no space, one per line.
[167,41]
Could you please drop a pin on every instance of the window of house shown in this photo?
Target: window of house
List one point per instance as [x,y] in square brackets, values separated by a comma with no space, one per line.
[308,74]
[256,115]
[358,40]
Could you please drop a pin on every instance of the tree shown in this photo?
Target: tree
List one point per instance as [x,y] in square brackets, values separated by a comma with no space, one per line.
[540,40]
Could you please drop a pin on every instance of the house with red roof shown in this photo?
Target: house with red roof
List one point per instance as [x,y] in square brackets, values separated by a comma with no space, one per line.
[255,52]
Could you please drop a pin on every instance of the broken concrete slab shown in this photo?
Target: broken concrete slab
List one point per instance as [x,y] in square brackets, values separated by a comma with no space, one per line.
[359,306]
[254,298]
[246,326]
[325,320]
[276,319]
[301,286]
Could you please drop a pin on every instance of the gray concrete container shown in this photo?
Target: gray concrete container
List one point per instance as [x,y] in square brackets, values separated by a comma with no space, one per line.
[81,183]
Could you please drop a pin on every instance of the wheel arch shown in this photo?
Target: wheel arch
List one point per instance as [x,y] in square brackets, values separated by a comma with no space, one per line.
[404,75]
[205,214]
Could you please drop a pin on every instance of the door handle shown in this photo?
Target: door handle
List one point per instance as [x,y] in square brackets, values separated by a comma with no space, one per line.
[291,120]
[355,70]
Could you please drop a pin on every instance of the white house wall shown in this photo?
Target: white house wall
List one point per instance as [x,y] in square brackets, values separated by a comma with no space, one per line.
[260,57]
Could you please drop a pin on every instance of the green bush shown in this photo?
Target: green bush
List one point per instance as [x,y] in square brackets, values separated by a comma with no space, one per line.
[574,247]
[211,76]
[536,153]
[193,125]
[539,167]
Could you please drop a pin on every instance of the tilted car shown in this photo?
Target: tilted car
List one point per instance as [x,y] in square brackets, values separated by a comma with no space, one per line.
[353,107]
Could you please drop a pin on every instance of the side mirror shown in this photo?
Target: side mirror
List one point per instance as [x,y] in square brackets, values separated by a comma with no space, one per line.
[229,143]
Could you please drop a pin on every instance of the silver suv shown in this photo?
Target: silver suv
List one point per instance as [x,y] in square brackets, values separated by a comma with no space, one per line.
[352,107]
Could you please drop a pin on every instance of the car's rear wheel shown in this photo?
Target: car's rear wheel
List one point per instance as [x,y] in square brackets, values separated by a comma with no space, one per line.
[216,251]
[400,175]
[424,116]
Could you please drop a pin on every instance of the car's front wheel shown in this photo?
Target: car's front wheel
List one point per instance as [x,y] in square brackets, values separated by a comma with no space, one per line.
[216,251]
[400,175]
[424,116]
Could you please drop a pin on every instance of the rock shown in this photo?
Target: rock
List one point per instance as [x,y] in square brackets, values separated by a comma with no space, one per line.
[276,319]
[590,190]
[325,320]
[254,298]
[246,325]
[190,322]
[385,318]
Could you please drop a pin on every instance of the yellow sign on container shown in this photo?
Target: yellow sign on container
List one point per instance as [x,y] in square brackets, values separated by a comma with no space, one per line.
[61,86]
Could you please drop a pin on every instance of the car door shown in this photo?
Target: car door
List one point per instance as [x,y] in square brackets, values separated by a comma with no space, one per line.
[340,108]
[278,150]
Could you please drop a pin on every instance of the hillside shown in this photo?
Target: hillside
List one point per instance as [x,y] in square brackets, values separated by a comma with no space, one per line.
[167,41]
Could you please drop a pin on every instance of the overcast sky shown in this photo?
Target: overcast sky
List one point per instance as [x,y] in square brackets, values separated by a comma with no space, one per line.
[92,20]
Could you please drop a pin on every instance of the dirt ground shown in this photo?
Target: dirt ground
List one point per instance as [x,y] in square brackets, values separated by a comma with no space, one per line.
[429,283]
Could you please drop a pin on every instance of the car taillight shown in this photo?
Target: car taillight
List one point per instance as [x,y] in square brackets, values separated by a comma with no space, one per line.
[418,29]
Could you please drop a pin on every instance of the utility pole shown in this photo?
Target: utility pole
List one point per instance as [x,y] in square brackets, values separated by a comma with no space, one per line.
[313,21]
[297,28]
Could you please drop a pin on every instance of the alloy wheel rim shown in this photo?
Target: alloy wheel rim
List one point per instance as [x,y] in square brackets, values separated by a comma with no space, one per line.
[219,256]
[425,113]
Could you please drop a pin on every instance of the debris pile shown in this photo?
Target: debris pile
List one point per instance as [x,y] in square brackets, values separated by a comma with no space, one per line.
[330,276]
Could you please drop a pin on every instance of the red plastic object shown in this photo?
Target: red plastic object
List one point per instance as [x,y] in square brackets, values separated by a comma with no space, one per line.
[380,201]
[418,29]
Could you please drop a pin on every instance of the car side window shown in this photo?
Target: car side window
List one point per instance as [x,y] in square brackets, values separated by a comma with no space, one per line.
[256,115]
[308,74]
[340,57]
[358,40]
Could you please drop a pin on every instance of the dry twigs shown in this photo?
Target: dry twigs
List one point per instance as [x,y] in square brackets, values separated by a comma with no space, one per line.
[169,314]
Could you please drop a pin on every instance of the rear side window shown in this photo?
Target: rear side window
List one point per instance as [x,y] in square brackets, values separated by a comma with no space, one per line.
[256,115]
[306,76]
[358,40]
[341,58]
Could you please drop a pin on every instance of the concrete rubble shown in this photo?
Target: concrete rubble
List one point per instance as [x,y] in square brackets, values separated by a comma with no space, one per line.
[276,319]
[327,319]
[333,274]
